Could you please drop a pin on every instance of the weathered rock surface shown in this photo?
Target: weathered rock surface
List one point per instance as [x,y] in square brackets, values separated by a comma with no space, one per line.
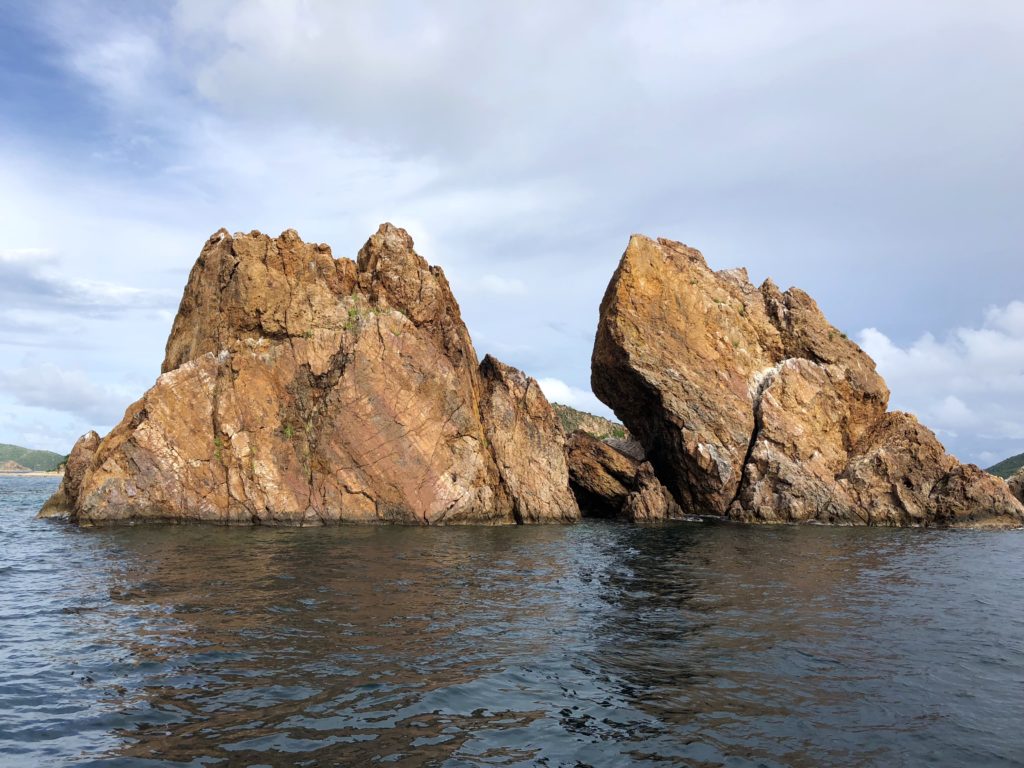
[79,461]
[610,483]
[1016,483]
[527,443]
[601,428]
[650,501]
[301,389]
[751,406]
[601,477]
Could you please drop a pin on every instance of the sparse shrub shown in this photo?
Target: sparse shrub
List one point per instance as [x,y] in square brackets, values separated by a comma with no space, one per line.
[353,318]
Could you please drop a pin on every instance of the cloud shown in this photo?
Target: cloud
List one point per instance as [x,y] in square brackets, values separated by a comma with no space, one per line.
[70,391]
[30,280]
[557,391]
[967,385]
[501,286]
[843,147]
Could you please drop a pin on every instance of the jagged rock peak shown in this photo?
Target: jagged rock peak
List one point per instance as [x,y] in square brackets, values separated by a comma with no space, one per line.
[751,405]
[301,389]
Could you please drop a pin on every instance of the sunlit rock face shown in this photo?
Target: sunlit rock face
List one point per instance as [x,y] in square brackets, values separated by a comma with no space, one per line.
[301,389]
[751,406]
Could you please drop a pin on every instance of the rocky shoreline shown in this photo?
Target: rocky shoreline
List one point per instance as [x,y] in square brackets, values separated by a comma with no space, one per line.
[300,389]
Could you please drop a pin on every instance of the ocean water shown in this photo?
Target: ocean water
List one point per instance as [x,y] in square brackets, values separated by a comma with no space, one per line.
[589,645]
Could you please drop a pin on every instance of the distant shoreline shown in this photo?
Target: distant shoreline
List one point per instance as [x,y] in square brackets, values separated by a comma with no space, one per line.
[31,474]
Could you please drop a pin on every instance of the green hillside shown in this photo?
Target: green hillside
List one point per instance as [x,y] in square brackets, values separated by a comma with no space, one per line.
[38,461]
[1007,467]
[597,426]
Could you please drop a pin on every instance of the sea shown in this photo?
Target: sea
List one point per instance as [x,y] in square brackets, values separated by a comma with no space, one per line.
[587,645]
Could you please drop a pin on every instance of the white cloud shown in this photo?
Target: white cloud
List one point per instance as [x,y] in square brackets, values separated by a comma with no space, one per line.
[120,65]
[48,386]
[557,391]
[502,286]
[31,280]
[30,257]
[970,381]
[820,143]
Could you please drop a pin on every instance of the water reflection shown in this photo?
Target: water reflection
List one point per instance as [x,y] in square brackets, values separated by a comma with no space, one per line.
[589,645]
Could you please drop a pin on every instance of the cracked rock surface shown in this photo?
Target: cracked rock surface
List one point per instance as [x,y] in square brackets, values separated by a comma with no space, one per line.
[300,389]
[751,406]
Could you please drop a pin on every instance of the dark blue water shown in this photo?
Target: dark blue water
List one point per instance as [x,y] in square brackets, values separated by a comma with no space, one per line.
[595,645]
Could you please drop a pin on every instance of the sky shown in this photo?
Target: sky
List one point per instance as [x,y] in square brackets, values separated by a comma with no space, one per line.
[871,153]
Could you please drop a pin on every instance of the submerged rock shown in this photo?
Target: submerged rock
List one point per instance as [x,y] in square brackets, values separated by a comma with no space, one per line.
[300,389]
[751,406]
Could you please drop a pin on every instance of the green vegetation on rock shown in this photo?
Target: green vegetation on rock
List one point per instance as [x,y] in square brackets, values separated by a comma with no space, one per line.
[1007,467]
[37,461]
[596,426]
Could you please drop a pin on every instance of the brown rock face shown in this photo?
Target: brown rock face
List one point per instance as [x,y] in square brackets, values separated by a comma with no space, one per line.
[573,420]
[527,443]
[650,501]
[601,477]
[300,389]
[79,460]
[1016,484]
[610,483]
[750,405]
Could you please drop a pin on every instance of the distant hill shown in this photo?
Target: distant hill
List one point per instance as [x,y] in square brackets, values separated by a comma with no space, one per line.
[37,461]
[1007,467]
[597,426]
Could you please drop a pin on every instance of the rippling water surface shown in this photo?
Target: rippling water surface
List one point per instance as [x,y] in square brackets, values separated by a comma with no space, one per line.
[591,645]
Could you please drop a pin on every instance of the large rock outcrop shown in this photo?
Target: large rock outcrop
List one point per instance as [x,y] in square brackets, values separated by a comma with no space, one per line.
[751,406]
[1016,483]
[300,389]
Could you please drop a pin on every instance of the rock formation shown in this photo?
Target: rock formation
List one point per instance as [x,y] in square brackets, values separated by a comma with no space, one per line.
[527,443]
[12,466]
[613,482]
[751,406]
[1016,483]
[300,389]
